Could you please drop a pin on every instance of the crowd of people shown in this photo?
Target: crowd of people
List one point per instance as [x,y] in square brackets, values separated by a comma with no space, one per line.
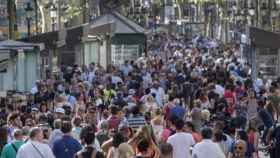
[189,103]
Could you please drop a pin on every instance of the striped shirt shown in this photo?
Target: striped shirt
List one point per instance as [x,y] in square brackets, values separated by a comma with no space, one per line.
[136,121]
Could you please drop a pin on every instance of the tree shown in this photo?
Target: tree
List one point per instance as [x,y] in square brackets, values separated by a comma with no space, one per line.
[11,5]
[114,5]
[44,9]
[157,6]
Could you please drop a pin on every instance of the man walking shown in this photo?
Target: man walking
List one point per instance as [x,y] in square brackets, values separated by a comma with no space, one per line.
[34,148]
[66,146]
[181,141]
[207,148]
[10,150]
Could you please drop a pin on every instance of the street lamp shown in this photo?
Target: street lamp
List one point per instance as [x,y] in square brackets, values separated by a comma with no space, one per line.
[239,16]
[264,10]
[53,14]
[252,10]
[29,11]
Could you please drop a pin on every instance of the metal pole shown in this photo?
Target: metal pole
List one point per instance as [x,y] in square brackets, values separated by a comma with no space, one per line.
[58,14]
[36,16]
[53,24]
[28,27]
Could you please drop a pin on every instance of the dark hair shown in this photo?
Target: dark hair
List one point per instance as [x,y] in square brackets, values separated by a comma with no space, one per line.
[135,110]
[118,139]
[148,116]
[76,121]
[3,136]
[43,104]
[12,116]
[166,149]
[179,124]
[219,136]
[87,135]
[45,133]
[143,145]
[206,133]
[190,125]
[66,127]
[243,135]
[114,110]
[147,91]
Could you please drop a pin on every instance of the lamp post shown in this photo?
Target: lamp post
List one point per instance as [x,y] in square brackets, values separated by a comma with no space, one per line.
[252,13]
[29,11]
[36,16]
[53,14]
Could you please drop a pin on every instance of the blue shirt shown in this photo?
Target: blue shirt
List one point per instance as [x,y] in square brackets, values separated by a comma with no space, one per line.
[66,147]
[178,111]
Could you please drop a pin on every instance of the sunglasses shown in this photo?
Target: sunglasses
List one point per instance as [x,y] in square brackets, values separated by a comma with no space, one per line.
[238,148]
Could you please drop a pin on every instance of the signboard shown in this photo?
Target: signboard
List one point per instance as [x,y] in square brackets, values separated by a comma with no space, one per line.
[121,53]
[264,39]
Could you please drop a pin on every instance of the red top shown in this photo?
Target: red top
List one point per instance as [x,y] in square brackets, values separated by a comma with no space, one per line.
[229,96]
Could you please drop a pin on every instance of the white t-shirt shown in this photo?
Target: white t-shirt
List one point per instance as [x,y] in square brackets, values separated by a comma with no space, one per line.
[33,149]
[181,143]
[207,149]
[219,90]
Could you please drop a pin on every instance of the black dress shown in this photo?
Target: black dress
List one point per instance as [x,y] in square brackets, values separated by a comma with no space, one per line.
[87,152]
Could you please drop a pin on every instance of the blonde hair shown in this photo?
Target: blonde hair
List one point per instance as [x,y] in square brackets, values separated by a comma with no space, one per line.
[125,150]
[150,98]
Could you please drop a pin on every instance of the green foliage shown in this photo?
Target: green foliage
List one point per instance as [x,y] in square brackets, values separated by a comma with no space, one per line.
[73,11]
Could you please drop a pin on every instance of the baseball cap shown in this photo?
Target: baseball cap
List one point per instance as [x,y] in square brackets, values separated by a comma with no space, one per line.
[34,109]
[60,110]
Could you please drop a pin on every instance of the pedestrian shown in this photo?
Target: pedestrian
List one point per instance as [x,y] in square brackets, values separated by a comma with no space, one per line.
[87,137]
[207,148]
[56,133]
[166,150]
[181,141]
[66,146]
[137,119]
[34,148]
[10,150]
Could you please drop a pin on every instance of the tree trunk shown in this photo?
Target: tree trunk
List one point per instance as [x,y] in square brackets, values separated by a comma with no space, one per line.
[179,10]
[43,17]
